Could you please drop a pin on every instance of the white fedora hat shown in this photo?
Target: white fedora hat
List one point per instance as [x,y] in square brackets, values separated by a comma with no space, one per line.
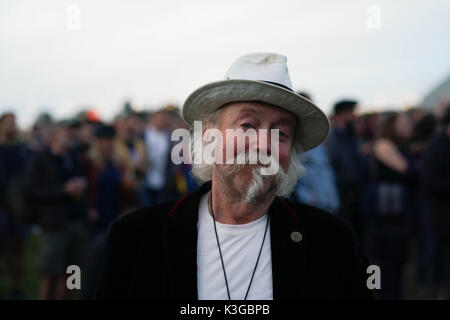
[260,77]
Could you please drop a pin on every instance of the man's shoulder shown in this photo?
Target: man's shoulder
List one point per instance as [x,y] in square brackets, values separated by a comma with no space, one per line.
[145,218]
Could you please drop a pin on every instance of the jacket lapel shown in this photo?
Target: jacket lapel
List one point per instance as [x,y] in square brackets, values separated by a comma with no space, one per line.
[288,254]
[181,247]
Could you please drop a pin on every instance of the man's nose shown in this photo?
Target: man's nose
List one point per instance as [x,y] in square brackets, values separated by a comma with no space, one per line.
[264,141]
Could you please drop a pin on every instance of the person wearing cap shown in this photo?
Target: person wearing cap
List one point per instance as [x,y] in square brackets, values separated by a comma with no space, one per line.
[238,236]
[105,202]
[105,176]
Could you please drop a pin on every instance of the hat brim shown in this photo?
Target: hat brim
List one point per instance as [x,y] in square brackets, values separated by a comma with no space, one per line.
[314,124]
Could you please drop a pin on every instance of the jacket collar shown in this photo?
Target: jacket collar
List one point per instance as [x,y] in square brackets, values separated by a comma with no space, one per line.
[288,256]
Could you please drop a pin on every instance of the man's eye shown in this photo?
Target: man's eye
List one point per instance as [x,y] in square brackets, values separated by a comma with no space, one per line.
[246,125]
[282,134]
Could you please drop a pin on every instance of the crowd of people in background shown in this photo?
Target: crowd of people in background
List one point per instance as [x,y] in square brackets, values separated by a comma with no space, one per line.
[386,173]
[71,179]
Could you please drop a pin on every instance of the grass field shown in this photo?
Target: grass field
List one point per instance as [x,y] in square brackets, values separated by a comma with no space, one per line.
[31,276]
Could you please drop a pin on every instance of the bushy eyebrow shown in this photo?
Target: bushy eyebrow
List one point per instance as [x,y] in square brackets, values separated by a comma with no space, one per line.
[282,121]
[285,121]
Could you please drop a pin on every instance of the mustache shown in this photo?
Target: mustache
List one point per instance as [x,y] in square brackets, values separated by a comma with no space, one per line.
[246,159]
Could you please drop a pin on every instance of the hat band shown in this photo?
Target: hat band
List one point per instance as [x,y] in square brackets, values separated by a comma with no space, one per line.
[277,84]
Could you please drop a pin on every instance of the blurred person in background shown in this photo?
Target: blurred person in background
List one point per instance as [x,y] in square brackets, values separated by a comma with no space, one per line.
[365,133]
[436,183]
[415,114]
[347,162]
[180,180]
[366,126]
[56,187]
[105,176]
[158,147]
[73,127]
[76,147]
[83,135]
[392,173]
[13,233]
[40,133]
[141,123]
[86,133]
[317,187]
[131,152]
[429,257]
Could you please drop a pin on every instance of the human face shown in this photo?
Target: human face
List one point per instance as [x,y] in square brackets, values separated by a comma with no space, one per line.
[8,127]
[257,116]
[86,133]
[106,146]
[403,126]
[60,139]
[131,126]
[159,120]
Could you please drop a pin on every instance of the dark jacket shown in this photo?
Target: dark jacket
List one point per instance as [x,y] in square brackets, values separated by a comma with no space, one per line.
[46,175]
[12,161]
[152,253]
[436,182]
[105,192]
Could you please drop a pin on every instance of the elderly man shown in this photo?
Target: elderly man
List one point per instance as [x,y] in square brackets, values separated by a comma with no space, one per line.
[238,237]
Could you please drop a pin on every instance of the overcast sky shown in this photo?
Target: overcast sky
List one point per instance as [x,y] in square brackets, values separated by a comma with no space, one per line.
[59,55]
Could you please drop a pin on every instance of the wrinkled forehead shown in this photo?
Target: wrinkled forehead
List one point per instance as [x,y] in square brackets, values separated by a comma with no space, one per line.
[260,110]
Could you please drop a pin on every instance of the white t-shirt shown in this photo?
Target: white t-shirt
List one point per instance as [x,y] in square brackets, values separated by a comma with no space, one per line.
[240,245]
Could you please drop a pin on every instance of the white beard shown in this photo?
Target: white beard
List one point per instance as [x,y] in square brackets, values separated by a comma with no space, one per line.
[261,185]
